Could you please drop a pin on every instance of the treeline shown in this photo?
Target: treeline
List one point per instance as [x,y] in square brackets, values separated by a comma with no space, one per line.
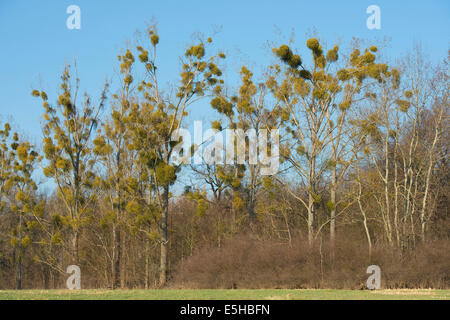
[363,176]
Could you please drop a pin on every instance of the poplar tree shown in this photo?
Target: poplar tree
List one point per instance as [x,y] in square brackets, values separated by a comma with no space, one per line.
[68,129]
[18,192]
[245,111]
[111,145]
[158,115]
[313,102]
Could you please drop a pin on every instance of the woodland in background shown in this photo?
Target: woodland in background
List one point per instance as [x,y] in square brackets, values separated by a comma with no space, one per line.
[363,179]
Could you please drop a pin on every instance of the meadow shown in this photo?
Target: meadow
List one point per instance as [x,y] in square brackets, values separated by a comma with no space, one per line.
[265,294]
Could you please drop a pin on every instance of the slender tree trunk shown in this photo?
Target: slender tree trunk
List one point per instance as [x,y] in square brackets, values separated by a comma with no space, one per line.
[333,209]
[311,201]
[363,211]
[19,257]
[251,208]
[122,269]
[116,257]
[413,211]
[386,192]
[252,195]
[116,228]
[147,264]
[424,202]
[366,228]
[75,246]
[76,216]
[46,275]
[423,218]
[396,199]
[164,238]
[19,270]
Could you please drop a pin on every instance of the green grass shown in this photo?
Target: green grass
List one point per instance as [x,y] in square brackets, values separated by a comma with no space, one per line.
[268,294]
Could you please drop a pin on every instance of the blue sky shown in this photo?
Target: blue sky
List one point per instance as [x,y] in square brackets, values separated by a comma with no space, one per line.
[36,44]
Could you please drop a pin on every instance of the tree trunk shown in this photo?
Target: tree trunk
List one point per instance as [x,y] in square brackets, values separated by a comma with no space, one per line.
[310,219]
[311,200]
[366,227]
[251,208]
[333,209]
[164,239]
[147,264]
[431,155]
[19,271]
[116,257]
[386,192]
[75,244]
[396,199]
[252,196]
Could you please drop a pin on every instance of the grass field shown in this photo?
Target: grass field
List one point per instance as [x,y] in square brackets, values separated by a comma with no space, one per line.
[269,294]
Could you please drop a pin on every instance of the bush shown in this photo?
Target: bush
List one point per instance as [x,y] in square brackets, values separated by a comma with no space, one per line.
[243,262]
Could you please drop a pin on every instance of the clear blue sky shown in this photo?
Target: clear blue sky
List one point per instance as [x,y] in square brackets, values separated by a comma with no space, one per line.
[35,43]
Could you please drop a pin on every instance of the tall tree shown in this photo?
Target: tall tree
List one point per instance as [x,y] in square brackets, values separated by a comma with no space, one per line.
[111,146]
[158,115]
[248,115]
[68,131]
[18,192]
[313,103]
